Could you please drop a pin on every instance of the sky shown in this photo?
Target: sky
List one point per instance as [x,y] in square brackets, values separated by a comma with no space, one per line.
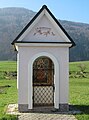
[71,10]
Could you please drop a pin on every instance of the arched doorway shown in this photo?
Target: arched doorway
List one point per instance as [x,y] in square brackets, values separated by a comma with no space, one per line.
[43,82]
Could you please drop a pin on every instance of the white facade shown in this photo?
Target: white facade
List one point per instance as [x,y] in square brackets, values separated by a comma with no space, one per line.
[43,38]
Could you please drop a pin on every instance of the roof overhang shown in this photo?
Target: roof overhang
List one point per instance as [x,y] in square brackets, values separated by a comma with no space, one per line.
[29,26]
[42,44]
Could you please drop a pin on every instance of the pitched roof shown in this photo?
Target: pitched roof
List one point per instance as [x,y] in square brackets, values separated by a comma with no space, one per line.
[33,19]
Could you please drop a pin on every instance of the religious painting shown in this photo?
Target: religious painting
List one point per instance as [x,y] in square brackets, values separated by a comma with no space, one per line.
[43,70]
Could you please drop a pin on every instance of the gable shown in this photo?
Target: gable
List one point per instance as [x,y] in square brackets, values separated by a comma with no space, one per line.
[44,27]
[44,31]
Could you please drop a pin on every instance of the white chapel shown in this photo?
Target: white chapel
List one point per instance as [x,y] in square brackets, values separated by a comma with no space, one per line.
[43,63]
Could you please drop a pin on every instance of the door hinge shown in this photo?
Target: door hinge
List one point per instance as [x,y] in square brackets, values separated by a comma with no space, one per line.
[53,87]
[32,97]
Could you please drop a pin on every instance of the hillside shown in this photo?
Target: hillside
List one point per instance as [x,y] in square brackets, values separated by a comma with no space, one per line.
[12,21]
[80,34]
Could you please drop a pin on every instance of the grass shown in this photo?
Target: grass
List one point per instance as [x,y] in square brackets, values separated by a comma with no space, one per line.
[79,90]
[8,96]
[8,66]
[74,66]
[79,96]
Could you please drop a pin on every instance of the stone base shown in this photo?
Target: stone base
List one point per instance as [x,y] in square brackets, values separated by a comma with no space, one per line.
[23,108]
[63,107]
[43,109]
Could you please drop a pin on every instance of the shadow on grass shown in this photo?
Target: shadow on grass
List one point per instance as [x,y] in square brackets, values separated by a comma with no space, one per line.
[83,108]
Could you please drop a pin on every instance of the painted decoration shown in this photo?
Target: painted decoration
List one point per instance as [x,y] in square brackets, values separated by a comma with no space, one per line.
[44,31]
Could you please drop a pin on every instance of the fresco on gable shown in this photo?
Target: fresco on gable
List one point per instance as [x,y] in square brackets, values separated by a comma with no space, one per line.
[45,31]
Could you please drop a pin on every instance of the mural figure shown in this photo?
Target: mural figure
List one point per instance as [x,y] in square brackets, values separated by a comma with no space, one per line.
[44,31]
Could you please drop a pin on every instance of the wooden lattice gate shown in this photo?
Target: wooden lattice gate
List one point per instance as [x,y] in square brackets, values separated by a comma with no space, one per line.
[43,82]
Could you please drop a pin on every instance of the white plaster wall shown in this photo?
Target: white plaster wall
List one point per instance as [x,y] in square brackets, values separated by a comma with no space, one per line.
[26,53]
[64,77]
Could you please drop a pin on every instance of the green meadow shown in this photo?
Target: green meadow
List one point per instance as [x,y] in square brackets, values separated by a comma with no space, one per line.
[74,66]
[78,95]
